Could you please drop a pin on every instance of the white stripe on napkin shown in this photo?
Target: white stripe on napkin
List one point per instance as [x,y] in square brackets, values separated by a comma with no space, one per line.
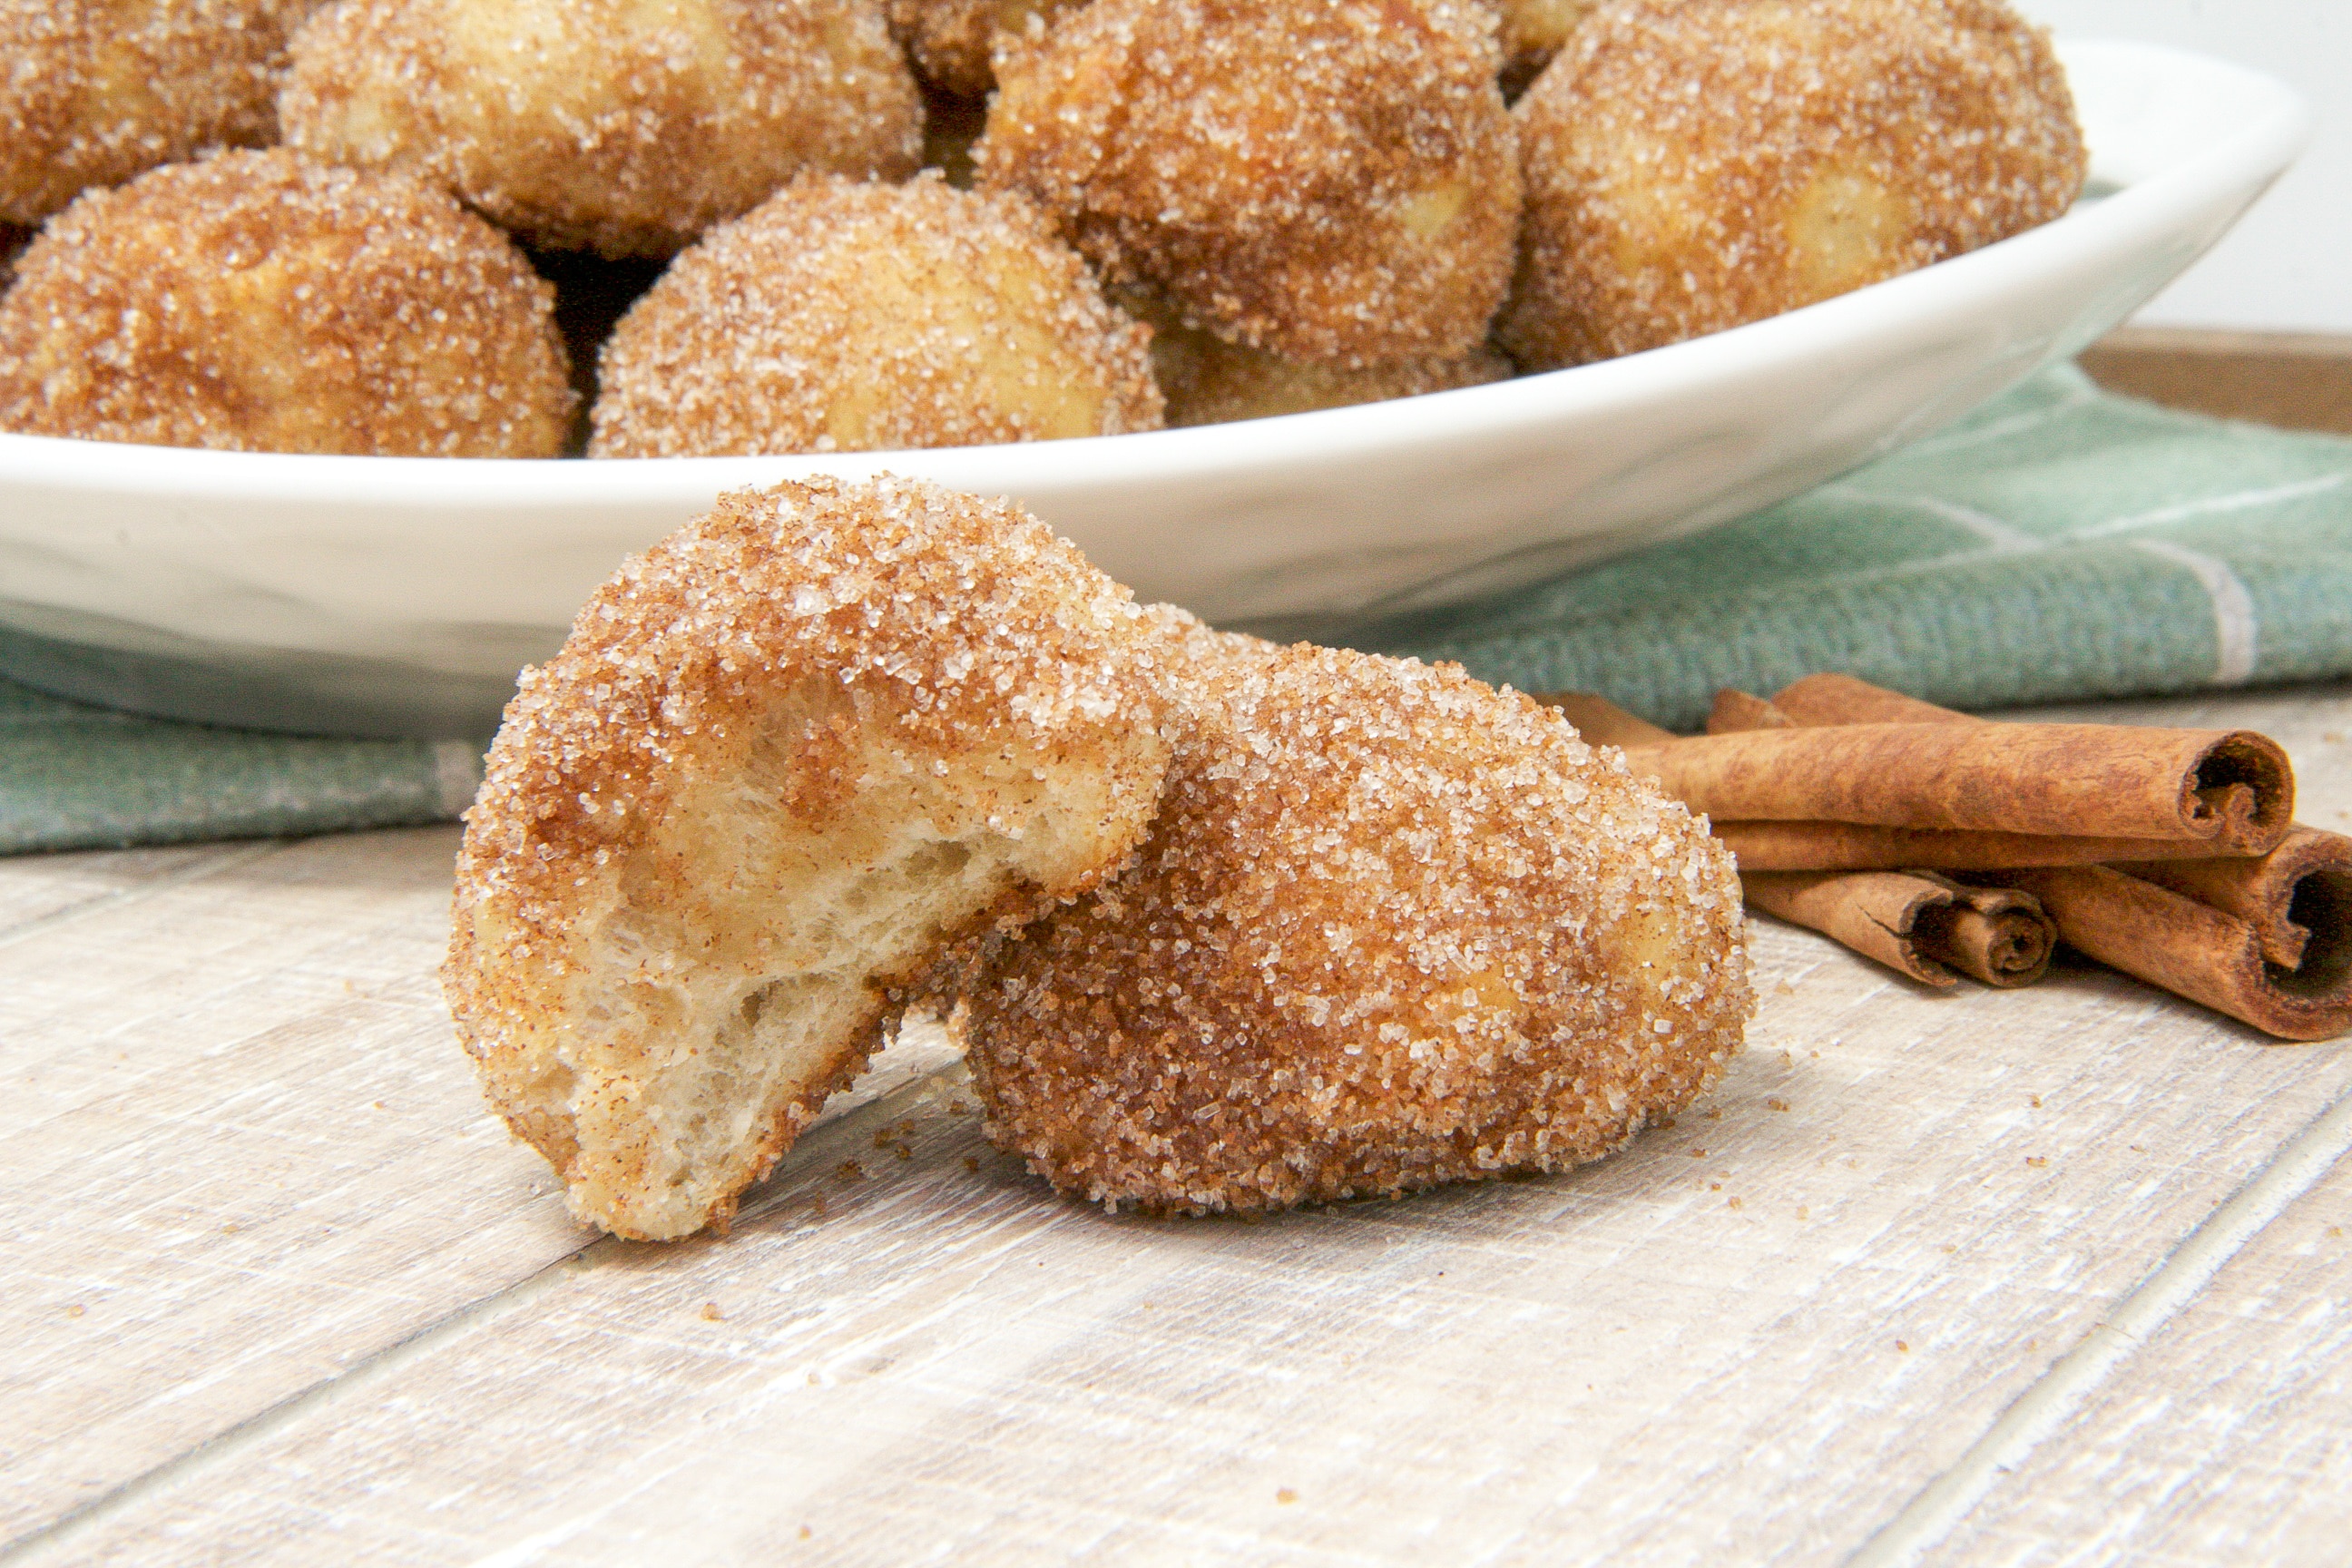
[2235,628]
[2237,502]
[2003,537]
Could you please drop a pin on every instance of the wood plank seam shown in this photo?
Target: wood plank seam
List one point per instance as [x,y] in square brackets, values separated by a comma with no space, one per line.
[229,860]
[2042,1412]
[55,1542]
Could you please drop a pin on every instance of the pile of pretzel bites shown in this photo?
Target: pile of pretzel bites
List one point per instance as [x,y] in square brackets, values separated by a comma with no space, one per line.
[519,227]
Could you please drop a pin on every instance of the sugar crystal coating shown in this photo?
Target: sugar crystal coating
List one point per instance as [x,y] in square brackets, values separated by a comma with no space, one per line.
[256,301]
[1391,928]
[1328,180]
[841,317]
[788,758]
[95,91]
[1208,381]
[950,41]
[1695,164]
[622,126]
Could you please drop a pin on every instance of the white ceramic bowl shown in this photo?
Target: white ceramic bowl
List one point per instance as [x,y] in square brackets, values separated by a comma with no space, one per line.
[394,595]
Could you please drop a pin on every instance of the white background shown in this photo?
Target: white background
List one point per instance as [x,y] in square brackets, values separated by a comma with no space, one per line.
[2288,264]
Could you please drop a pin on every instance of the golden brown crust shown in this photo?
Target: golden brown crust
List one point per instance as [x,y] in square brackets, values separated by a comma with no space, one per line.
[95,91]
[786,759]
[611,125]
[1208,381]
[1391,928]
[841,317]
[1333,179]
[950,41]
[255,302]
[1694,164]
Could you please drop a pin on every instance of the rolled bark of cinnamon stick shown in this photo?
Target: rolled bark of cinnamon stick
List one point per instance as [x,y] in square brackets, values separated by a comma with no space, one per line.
[1920,925]
[1831,698]
[2227,790]
[2216,931]
[1602,723]
[1735,711]
[1998,936]
[2195,950]
[2298,894]
[1858,847]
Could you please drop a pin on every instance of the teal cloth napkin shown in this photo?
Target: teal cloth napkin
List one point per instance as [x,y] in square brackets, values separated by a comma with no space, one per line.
[77,778]
[2060,543]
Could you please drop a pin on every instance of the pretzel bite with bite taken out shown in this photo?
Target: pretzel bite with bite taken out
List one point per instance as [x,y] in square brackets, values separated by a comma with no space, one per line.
[843,317]
[1695,164]
[627,127]
[787,759]
[1391,928]
[256,301]
[1328,180]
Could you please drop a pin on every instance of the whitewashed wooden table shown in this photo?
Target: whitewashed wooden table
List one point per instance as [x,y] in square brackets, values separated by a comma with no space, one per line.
[2057,1276]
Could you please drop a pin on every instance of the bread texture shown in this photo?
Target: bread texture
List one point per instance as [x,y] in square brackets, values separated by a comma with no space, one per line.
[1391,928]
[788,757]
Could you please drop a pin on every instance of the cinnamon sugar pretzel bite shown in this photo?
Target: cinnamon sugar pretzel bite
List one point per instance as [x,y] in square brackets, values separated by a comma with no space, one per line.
[788,758]
[627,127]
[1391,928]
[1326,180]
[260,302]
[1695,164]
[842,317]
[95,91]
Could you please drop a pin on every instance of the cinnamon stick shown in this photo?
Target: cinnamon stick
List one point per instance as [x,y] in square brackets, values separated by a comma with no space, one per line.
[1832,699]
[1916,923]
[1602,723]
[1735,711]
[2216,931]
[2299,892]
[2198,951]
[2231,790]
[1857,846]
[1922,925]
